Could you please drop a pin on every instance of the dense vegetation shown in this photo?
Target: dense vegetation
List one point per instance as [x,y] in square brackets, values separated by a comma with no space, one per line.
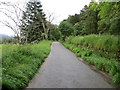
[21,62]
[107,43]
[101,51]
[97,18]
[35,27]
[93,35]
[32,21]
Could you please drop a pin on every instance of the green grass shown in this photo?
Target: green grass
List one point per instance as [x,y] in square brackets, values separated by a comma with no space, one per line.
[21,62]
[99,42]
[104,59]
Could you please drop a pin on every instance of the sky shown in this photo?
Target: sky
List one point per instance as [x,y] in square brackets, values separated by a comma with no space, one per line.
[60,10]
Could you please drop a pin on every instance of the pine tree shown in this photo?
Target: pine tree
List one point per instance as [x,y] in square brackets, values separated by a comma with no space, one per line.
[33,22]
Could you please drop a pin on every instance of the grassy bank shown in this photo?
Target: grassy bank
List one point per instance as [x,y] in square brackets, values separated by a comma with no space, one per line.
[21,62]
[106,43]
[101,51]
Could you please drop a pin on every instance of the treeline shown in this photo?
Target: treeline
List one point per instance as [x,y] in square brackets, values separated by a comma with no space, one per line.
[31,24]
[96,18]
[12,40]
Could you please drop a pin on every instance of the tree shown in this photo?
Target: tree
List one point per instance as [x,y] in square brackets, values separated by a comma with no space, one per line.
[103,23]
[73,19]
[13,17]
[90,22]
[34,22]
[55,33]
[109,17]
[66,29]
[97,18]
[115,19]
[51,28]
[78,29]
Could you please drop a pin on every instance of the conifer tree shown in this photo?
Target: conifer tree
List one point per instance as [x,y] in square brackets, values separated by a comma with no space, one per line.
[34,22]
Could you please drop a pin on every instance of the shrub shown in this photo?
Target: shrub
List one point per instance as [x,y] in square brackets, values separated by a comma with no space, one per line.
[116,78]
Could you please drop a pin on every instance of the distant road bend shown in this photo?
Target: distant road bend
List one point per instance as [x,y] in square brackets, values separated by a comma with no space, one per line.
[62,69]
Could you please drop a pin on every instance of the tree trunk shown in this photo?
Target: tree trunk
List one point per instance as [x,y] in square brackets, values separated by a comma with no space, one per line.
[26,40]
[45,31]
[20,39]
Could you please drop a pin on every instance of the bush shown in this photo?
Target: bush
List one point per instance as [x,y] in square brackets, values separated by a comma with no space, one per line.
[116,78]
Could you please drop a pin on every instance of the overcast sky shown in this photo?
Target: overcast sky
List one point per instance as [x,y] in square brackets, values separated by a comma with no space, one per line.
[61,9]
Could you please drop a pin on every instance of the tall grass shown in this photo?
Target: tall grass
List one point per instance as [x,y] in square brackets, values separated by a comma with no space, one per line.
[21,62]
[99,42]
[110,66]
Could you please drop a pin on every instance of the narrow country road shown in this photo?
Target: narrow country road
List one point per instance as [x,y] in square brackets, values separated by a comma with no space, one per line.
[62,69]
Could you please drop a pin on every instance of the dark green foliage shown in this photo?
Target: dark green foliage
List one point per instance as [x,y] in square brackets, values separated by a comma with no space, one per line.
[115,25]
[116,78]
[109,18]
[96,18]
[55,34]
[32,22]
[73,19]
[66,29]
[20,63]
[90,22]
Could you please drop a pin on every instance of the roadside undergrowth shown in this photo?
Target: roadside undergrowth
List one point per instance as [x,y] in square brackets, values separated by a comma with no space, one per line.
[100,51]
[21,62]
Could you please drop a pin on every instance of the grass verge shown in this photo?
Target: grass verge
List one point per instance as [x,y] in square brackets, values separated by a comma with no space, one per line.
[103,59]
[21,62]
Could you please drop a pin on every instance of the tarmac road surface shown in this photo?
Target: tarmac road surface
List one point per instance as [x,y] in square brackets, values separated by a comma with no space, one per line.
[62,69]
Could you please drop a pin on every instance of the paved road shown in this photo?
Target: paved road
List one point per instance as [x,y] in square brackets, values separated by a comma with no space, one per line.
[62,69]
